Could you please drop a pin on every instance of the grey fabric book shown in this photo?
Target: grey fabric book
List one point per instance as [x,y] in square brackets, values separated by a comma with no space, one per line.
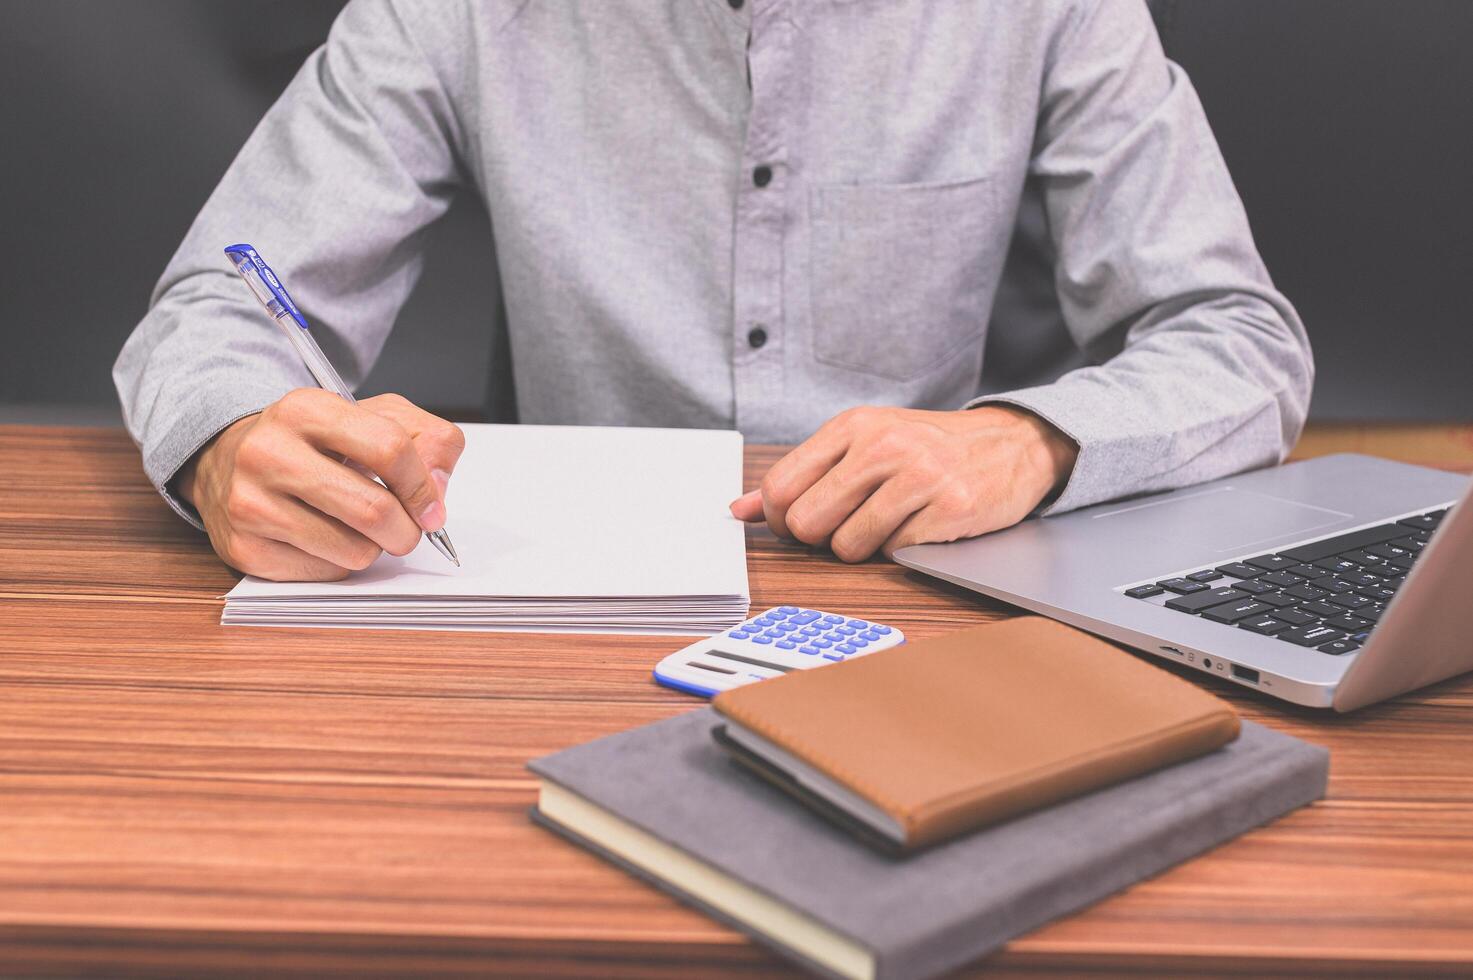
[666,803]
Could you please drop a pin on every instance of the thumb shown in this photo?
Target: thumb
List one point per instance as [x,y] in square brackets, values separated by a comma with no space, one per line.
[748,507]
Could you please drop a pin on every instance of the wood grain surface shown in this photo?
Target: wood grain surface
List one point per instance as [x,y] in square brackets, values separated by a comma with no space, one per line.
[181,798]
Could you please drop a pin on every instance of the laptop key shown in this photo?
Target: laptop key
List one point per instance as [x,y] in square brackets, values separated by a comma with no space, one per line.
[1306,591]
[1265,625]
[1338,647]
[1205,575]
[1321,608]
[1294,617]
[1280,578]
[1411,543]
[1336,564]
[1373,613]
[1270,563]
[1336,584]
[1361,578]
[1276,599]
[1253,586]
[1181,586]
[1377,593]
[1425,522]
[1311,636]
[1144,591]
[1203,600]
[1349,600]
[1231,612]
[1239,570]
[1362,557]
[1348,623]
[1316,550]
[1308,571]
[1388,550]
[1403,561]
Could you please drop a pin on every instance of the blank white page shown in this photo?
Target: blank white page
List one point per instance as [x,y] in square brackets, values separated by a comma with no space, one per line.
[541,511]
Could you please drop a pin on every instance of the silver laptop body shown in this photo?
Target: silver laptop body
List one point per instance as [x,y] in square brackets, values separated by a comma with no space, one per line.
[1078,567]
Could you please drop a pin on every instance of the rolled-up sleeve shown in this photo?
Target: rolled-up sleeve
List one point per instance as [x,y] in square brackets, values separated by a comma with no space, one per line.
[335,187]
[1202,368]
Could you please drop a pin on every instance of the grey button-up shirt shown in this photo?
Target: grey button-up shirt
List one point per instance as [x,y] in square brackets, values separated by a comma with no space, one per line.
[750,218]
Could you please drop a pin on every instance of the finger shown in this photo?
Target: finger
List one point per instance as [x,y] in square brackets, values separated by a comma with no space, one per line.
[815,515]
[943,518]
[748,507]
[342,492]
[264,558]
[285,519]
[877,520]
[791,476]
[383,445]
[439,442]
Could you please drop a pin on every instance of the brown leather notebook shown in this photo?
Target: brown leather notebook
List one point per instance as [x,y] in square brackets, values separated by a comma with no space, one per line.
[926,741]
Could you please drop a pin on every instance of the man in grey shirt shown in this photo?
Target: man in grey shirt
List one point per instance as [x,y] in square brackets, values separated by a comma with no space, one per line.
[783,216]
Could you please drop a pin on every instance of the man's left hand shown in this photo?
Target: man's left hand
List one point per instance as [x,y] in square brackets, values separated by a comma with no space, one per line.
[882,478]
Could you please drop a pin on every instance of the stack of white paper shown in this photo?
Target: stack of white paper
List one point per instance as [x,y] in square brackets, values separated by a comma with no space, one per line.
[559,529]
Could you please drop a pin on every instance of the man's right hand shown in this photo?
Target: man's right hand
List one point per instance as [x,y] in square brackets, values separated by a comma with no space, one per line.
[279,504]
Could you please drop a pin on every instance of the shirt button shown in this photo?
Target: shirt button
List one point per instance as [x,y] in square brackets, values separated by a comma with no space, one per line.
[762,176]
[757,337]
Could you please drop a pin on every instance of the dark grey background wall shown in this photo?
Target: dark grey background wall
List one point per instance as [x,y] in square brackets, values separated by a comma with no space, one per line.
[119,118]
[1346,123]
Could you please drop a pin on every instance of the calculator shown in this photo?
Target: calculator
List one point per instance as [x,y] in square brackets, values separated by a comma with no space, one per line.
[783,639]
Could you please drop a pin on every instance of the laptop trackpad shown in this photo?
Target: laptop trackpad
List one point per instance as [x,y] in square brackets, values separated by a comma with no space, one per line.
[1224,520]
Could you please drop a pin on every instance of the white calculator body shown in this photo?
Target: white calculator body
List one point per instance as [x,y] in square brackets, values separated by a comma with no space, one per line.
[783,639]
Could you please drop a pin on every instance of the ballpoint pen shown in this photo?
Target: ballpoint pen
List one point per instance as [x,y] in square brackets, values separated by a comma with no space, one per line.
[279,306]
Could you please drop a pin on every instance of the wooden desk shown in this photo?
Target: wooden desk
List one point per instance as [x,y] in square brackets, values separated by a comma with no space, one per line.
[178,797]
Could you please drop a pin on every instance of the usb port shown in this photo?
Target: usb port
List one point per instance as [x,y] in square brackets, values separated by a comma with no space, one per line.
[1245,674]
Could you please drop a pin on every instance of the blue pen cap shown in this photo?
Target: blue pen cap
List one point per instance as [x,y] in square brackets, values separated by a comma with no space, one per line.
[263,282]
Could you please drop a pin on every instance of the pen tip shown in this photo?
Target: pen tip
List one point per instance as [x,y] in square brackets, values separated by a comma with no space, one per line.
[442,544]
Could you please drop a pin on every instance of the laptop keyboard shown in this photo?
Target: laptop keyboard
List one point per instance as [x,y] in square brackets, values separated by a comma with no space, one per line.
[1327,595]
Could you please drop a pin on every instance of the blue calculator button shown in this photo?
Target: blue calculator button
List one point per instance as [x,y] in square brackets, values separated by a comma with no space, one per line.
[739,634]
[803,618]
[786,645]
[858,641]
[787,610]
[809,649]
[847,648]
[831,618]
[762,639]
[846,630]
[882,630]
[870,635]
[837,637]
[774,633]
[823,644]
[858,624]
[811,631]
[830,656]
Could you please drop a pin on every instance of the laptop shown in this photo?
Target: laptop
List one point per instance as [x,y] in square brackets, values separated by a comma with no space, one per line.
[1335,582]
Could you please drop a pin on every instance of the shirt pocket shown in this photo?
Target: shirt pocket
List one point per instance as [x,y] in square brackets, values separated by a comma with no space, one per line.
[901,276]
